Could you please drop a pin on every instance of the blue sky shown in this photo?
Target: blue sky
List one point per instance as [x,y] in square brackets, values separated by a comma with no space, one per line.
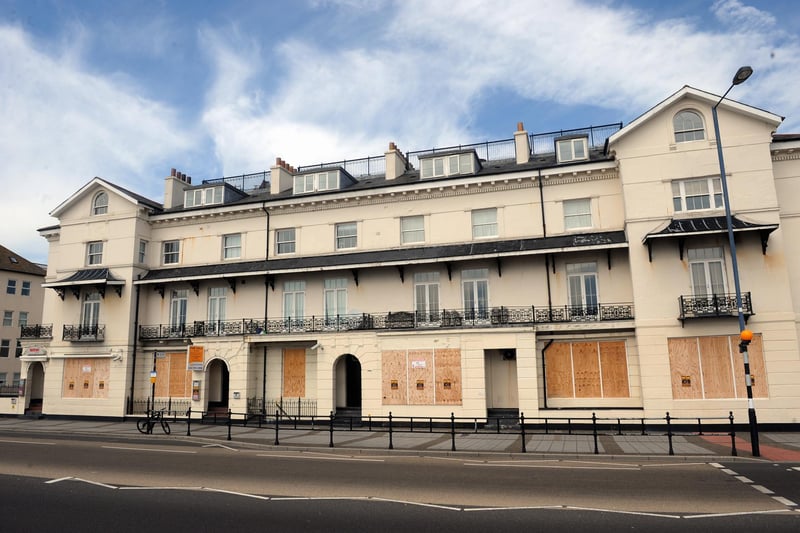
[125,90]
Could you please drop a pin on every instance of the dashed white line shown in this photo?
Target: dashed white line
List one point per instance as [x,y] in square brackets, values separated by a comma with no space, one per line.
[744,479]
[152,450]
[762,489]
[729,472]
[784,501]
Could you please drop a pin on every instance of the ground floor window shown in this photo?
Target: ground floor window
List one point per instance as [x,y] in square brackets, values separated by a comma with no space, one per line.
[421,377]
[173,380]
[86,378]
[594,369]
[712,367]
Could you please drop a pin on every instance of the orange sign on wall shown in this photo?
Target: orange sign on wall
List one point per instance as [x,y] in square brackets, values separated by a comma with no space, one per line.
[195,358]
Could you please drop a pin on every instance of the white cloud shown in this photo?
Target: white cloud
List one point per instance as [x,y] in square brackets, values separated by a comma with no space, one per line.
[733,13]
[62,126]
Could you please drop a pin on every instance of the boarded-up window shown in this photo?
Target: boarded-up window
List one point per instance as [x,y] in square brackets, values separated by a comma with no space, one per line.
[421,377]
[294,372]
[713,367]
[596,369]
[86,378]
[173,380]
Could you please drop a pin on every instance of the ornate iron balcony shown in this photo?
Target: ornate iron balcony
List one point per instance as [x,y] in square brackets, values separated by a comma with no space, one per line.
[714,306]
[83,333]
[447,318]
[36,331]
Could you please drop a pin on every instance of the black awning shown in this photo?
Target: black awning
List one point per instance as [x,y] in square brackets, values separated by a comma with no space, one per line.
[98,278]
[683,228]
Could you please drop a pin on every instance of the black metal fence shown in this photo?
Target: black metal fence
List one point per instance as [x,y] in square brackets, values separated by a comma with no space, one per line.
[84,333]
[713,306]
[666,427]
[287,407]
[36,331]
[171,406]
[447,318]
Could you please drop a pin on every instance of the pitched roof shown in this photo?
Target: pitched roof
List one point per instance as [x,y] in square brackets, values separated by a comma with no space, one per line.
[690,92]
[13,262]
[125,193]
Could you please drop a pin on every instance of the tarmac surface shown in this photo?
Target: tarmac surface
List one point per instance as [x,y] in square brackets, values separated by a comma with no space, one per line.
[774,446]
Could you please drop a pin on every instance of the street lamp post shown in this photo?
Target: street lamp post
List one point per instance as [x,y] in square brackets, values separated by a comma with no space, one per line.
[744,335]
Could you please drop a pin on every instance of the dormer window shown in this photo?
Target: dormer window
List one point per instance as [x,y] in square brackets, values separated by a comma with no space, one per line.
[448,165]
[572,149]
[203,196]
[100,204]
[688,126]
[320,181]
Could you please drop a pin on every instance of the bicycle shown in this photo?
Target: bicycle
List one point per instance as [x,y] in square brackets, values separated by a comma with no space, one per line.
[145,425]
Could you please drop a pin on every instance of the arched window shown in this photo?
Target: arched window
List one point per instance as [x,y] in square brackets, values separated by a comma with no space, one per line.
[100,205]
[688,127]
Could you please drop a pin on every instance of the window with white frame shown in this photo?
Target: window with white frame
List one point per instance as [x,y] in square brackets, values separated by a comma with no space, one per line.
[217,303]
[285,241]
[578,213]
[707,269]
[100,204]
[8,318]
[177,310]
[172,252]
[335,297]
[484,223]
[26,288]
[697,194]
[16,378]
[321,181]
[688,126]
[346,235]
[294,300]
[412,229]
[22,320]
[11,286]
[232,246]
[204,196]
[426,296]
[142,251]
[582,286]
[475,292]
[572,149]
[94,253]
[90,314]
[448,165]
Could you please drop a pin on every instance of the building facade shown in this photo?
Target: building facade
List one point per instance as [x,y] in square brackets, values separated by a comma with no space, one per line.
[21,297]
[551,274]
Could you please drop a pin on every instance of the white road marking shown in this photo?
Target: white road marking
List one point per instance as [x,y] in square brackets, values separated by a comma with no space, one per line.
[729,472]
[233,493]
[220,446]
[638,513]
[716,465]
[762,489]
[331,458]
[434,506]
[558,467]
[522,508]
[58,480]
[90,482]
[161,488]
[744,479]
[29,442]
[151,450]
[742,513]
[784,501]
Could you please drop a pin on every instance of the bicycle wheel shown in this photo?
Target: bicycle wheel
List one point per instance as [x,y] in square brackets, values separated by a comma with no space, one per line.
[165,426]
[141,425]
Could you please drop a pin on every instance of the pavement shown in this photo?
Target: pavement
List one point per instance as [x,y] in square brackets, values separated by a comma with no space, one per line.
[774,446]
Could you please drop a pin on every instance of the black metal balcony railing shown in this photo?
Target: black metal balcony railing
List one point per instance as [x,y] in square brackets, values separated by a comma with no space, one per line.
[36,331]
[469,318]
[714,306]
[84,333]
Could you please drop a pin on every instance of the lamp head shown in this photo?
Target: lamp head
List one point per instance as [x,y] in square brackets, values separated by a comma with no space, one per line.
[742,74]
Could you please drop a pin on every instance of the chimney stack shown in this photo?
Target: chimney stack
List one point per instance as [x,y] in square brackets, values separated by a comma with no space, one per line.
[396,163]
[522,144]
[281,176]
[175,185]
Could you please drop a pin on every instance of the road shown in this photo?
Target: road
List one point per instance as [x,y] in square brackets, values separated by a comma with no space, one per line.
[52,483]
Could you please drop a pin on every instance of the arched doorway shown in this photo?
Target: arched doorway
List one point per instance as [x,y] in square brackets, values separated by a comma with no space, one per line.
[347,383]
[35,385]
[217,385]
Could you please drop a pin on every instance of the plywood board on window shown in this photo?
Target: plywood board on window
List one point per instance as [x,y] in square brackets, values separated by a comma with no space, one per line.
[715,359]
[294,372]
[421,384]
[102,371]
[178,385]
[758,368]
[586,364]
[394,377]
[162,377]
[558,370]
[614,364]
[684,364]
[447,364]
[72,374]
